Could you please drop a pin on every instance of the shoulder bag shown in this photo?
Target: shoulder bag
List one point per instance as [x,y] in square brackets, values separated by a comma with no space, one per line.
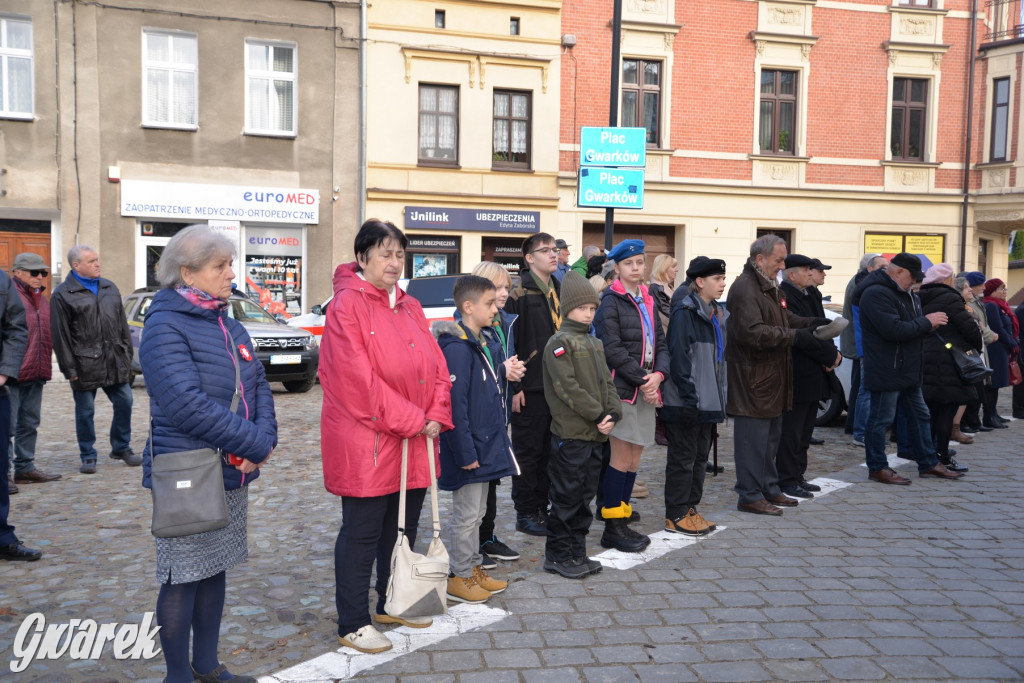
[188,486]
[418,583]
[969,364]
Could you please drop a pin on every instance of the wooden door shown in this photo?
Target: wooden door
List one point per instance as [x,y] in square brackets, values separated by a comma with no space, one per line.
[14,243]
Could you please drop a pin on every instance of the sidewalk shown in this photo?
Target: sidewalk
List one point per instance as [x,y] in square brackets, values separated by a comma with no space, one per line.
[868,582]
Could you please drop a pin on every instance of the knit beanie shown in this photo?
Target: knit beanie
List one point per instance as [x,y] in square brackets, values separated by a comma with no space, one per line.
[992,285]
[938,273]
[975,278]
[575,292]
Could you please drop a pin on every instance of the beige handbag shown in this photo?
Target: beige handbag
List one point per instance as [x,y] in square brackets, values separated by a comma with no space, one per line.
[418,583]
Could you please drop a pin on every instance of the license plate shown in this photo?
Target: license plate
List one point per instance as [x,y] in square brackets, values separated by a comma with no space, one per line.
[285,359]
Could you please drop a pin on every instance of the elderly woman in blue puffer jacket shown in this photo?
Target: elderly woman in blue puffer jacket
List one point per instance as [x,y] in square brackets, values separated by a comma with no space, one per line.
[189,350]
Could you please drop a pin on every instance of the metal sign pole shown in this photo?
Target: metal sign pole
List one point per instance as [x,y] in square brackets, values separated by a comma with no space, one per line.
[613,104]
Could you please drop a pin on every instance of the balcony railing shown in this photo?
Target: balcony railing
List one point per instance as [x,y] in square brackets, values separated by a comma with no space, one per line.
[1005,20]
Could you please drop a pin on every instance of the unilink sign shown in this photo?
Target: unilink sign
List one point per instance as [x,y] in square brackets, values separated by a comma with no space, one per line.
[471,220]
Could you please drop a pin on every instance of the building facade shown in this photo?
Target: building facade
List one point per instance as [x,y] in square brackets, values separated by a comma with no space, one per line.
[127,122]
[842,126]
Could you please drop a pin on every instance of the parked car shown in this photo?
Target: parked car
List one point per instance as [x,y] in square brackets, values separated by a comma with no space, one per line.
[833,407]
[433,293]
[290,356]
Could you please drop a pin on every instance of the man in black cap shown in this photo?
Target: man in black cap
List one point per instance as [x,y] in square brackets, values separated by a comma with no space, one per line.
[563,259]
[892,329]
[810,381]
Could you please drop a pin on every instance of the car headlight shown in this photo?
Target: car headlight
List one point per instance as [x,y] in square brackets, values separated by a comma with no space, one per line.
[310,343]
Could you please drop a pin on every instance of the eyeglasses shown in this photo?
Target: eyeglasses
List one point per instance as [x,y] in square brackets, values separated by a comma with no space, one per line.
[37,273]
[546,250]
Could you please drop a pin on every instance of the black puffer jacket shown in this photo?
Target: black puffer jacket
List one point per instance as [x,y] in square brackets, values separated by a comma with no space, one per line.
[534,327]
[810,381]
[619,326]
[941,382]
[90,334]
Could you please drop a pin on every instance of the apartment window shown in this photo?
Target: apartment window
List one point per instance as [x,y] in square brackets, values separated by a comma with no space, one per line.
[439,124]
[439,18]
[513,26]
[1000,118]
[169,91]
[270,101]
[641,97]
[511,129]
[909,108]
[777,133]
[915,3]
[16,99]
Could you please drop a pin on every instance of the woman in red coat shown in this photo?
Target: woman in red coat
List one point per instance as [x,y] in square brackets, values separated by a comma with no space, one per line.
[384,380]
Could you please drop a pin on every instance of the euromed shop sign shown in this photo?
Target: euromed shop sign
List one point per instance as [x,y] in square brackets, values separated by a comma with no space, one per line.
[471,220]
[195,201]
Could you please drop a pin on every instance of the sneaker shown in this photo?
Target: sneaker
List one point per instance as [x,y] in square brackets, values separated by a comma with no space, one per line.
[367,639]
[594,565]
[411,622]
[496,549]
[532,525]
[688,525]
[711,525]
[88,467]
[128,457]
[488,583]
[465,589]
[858,443]
[575,568]
[486,562]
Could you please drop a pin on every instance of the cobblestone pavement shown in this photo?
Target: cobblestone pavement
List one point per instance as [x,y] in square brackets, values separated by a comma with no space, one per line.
[869,582]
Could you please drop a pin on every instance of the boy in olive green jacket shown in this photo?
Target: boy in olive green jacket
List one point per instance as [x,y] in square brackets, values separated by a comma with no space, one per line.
[584,408]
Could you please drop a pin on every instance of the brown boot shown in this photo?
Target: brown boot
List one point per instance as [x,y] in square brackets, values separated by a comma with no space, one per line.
[959,436]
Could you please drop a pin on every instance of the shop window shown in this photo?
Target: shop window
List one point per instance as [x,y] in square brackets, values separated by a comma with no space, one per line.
[641,97]
[16,57]
[777,129]
[270,88]
[504,251]
[170,79]
[439,125]
[432,255]
[1000,118]
[909,112]
[511,129]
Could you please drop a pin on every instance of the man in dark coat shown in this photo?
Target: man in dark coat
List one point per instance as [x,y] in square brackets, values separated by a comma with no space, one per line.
[536,303]
[810,381]
[13,339]
[29,271]
[892,328]
[857,406]
[94,351]
[762,333]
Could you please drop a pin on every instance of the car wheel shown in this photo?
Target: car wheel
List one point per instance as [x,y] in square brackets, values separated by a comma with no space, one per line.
[829,409]
[300,386]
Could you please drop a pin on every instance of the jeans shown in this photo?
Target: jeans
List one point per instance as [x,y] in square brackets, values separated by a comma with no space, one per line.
[26,406]
[469,502]
[862,409]
[851,409]
[7,536]
[120,426]
[914,429]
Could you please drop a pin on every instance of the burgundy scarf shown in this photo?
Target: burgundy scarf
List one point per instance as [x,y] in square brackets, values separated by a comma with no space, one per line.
[1005,308]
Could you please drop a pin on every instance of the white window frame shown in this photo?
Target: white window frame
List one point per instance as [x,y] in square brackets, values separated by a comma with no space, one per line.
[171,68]
[272,76]
[7,52]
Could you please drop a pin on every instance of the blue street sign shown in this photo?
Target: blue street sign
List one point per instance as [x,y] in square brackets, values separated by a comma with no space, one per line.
[613,147]
[621,188]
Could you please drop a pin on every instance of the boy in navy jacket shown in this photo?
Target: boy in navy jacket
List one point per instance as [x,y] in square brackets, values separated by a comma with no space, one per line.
[478,449]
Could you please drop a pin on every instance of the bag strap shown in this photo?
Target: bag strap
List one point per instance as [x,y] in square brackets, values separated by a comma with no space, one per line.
[435,514]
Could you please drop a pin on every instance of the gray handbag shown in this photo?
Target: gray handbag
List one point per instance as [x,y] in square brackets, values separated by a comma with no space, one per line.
[188,486]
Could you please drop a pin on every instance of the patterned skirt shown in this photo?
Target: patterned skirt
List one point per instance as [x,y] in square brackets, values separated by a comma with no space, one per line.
[192,558]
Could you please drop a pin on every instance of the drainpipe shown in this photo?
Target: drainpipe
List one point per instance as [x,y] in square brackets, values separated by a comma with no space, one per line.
[970,135]
[362,111]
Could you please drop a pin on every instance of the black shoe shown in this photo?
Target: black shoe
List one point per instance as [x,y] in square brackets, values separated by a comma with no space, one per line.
[969,430]
[16,552]
[715,470]
[575,568]
[994,423]
[498,550]
[129,458]
[1001,418]
[951,451]
[619,536]
[808,486]
[797,491]
[599,516]
[816,441]
[215,676]
[12,488]
[594,565]
[983,428]
[952,464]
[1017,415]
[532,525]
[88,467]
[486,562]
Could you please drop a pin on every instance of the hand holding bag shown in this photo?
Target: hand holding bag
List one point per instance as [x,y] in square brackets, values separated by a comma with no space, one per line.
[418,583]
[188,486]
[969,364]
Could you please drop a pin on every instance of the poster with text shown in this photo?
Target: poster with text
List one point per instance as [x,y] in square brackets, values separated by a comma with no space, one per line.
[276,282]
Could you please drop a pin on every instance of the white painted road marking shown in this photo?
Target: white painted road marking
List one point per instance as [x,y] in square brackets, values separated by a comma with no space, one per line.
[894,461]
[346,662]
[662,542]
[827,487]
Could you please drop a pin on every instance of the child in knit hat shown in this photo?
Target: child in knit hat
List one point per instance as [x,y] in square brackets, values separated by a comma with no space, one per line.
[584,408]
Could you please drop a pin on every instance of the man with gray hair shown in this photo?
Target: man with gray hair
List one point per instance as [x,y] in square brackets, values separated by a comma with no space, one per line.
[94,351]
[589,252]
[850,346]
[762,334]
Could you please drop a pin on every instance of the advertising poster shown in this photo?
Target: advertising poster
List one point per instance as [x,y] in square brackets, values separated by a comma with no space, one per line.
[276,282]
[931,249]
[427,265]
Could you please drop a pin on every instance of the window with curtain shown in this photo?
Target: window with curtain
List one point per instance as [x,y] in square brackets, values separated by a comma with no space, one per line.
[777,131]
[170,79]
[641,97]
[439,124]
[909,112]
[1000,118]
[270,92]
[511,129]
[16,55]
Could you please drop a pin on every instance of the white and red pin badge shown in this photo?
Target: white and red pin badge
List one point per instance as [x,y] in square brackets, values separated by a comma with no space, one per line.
[244,351]
[784,304]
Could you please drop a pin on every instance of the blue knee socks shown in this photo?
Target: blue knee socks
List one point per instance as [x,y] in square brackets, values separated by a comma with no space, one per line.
[615,483]
[627,486]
